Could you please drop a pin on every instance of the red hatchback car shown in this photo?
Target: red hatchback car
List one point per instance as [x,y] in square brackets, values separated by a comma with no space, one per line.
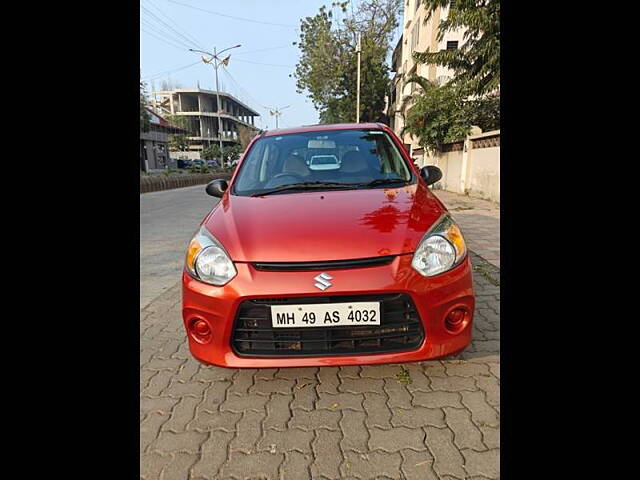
[327,248]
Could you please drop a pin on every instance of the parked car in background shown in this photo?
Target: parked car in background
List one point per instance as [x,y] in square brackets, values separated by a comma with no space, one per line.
[212,163]
[324,162]
[184,163]
[348,259]
[198,163]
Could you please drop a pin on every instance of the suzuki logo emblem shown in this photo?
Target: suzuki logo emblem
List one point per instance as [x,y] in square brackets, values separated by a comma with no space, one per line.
[323,281]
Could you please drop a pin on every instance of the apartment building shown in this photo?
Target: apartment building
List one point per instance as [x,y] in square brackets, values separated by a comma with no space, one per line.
[200,107]
[417,36]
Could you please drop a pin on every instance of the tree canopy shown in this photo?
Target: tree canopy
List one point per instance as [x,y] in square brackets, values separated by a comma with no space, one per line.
[327,69]
[145,118]
[476,63]
[439,114]
[231,152]
[178,141]
[245,135]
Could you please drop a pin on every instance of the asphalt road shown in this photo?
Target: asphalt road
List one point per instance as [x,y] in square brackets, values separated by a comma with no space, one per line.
[168,219]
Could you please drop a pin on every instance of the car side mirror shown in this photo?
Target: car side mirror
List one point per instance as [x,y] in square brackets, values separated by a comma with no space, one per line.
[431,174]
[217,187]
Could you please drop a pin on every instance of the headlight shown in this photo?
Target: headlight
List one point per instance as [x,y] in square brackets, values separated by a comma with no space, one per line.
[207,260]
[441,248]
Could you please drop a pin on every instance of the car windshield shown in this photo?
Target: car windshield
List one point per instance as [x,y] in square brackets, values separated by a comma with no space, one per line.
[358,158]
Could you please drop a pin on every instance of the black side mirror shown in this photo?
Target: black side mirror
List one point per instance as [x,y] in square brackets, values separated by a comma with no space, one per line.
[217,187]
[431,174]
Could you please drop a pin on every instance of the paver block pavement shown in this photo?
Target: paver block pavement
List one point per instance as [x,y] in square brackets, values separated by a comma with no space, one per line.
[479,221]
[201,422]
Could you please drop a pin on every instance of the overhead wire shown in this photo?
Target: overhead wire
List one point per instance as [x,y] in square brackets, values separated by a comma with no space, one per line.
[183,30]
[179,47]
[262,50]
[185,39]
[181,40]
[260,63]
[232,16]
[164,34]
[242,89]
[177,69]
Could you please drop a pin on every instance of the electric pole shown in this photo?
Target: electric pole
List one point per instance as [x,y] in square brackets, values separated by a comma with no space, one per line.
[358,50]
[216,63]
[277,112]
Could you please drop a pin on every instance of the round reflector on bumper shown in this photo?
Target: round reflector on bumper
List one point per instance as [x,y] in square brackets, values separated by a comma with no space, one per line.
[200,330]
[456,320]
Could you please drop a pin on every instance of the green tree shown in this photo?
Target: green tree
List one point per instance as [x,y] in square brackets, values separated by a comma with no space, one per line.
[484,112]
[212,152]
[476,64]
[327,69]
[179,141]
[145,118]
[433,114]
[245,135]
[439,114]
[231,152]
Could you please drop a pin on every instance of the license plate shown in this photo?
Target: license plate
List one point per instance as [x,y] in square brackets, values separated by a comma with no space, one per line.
[325,315]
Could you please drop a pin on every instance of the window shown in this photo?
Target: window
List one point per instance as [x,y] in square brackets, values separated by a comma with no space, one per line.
[415,35]
[452,45]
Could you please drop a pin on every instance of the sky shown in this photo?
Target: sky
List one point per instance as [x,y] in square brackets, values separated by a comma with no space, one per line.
[168,28]
[259,71]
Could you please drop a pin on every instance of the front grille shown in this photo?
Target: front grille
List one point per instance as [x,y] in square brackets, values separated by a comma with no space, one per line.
[400,329]
[323,265]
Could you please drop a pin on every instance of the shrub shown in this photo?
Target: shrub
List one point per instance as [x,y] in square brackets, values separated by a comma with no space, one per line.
[199,169]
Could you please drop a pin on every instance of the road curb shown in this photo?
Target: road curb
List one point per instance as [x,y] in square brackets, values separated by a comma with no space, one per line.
[155,183]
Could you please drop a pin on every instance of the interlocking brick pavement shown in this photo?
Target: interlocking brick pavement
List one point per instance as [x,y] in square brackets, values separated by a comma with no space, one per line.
[200,422]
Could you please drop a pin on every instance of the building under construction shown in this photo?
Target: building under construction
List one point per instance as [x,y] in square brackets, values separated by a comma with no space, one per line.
[200,108]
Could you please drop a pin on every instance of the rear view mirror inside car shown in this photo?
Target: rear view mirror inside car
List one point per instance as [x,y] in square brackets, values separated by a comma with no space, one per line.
[321,144]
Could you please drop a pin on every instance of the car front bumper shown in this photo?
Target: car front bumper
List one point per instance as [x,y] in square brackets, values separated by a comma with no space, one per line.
[434,298]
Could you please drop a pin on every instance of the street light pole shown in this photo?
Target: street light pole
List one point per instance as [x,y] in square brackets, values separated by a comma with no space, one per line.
[358,49]
[216,59]
[277,112]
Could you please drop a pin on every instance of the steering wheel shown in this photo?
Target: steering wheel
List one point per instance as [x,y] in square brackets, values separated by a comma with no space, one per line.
[295,177]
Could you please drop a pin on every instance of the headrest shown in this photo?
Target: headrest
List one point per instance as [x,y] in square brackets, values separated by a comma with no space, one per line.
[296,165]
[353,162]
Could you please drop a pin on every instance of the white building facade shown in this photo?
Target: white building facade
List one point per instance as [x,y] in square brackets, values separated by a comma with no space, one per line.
[418,36]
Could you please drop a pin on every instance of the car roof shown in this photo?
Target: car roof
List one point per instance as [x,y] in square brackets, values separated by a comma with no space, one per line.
[324,128]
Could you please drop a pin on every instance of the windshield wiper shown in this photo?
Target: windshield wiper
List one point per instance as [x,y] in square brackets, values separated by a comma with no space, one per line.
[384,181]
[305,186]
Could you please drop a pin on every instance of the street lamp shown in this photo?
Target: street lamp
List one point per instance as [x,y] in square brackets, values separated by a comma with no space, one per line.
[277,112]
[214,57]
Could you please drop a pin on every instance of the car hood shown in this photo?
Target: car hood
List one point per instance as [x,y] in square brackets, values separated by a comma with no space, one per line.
[324,226]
